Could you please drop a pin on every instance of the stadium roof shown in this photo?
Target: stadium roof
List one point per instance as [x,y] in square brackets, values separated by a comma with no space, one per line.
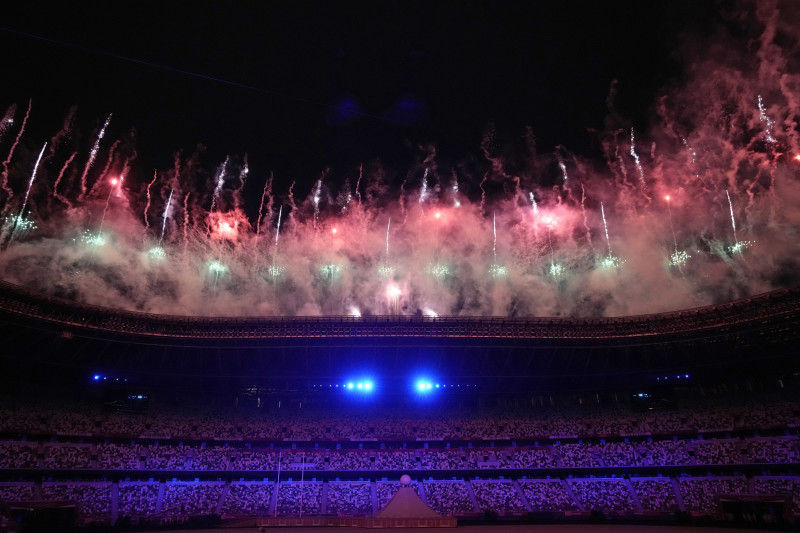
[753,338]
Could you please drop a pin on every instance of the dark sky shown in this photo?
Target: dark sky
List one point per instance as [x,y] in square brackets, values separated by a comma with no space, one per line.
[300,86]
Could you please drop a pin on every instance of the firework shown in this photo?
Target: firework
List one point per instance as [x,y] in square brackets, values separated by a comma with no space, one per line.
[386,271]
[393,293]
[636,160]
[316,199]
[556,270]
[437,270]
[330,270]
[497,271]
[769,136]
[220,181]
[7,121]
[609,262]
[93,155]
[423,191]
[93,240]
[563,168]
[16,225]
[438,254]
[157,252]
[216,269]
[678,259]
[275,271]
[166,212]
[20,224]
[9,192]
[739,247]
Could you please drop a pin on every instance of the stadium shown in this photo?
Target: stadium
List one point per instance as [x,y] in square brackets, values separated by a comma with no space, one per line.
[392,296]
[174,358]
[117,417]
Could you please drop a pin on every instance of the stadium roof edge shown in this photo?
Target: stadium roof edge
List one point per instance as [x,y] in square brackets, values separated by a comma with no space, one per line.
[25,303]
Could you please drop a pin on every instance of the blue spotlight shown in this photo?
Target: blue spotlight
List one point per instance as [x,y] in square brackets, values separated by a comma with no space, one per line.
[363,386]
[423,386]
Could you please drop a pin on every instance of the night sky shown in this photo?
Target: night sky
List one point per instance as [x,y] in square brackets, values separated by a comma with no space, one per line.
[304,86]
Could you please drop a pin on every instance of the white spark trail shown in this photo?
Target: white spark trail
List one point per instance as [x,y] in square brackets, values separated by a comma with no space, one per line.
[636,160]
[220,181]
[316,199]
[166,212]
[768,123]
[605,227]
[278,229]
[92,156]
[30,183]
[733,220]
[423,192]
[387,237]
[494,230]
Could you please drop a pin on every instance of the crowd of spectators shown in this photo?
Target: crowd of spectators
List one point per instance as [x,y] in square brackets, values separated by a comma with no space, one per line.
[719,451]
[191,498]
[210,458]
[349,498]
[699,495]
[16,492]
[655,494]
[138,499]
[547,495]
[619,454]
[785,485]
[440,460]
[114,456]
[69,456]
[167,457]
[248,499]
[665,452]
[433,447]
[606,495]
[450,498]
[773,451]
[215,456]
[323,425]
[535,457]
[577,455]
[93,498]
[15,454]
[253,459]
[299,499]
[179,500]
[500,497]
